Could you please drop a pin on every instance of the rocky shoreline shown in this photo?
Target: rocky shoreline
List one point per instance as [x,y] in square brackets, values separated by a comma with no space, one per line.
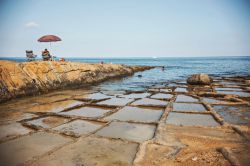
[170,124]
[30,78]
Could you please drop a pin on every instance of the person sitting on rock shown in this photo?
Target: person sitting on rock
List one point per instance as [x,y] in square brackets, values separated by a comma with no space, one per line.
[62,60]
[46,55]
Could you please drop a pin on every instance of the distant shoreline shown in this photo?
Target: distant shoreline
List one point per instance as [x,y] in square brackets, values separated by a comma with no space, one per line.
[134,57]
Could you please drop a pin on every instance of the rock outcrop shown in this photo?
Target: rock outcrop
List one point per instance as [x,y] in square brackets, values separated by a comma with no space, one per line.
[247,82]
[28,78]
[199,79]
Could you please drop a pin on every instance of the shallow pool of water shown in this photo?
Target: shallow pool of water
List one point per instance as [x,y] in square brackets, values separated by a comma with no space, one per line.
[185,98]
[188,107]
[235,115]
[186,119]
[86,112]
[130,131]
[150,102]
[136,114]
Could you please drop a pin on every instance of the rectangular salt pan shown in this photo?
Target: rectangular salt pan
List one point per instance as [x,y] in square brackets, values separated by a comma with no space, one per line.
[136,114]
[78,127]
[188,107]
[17,151]
[47,122]
[185,119]
[185,98]
[128,131]
[135,95]
[92,112]
[162,96]
[150,102]
[115,102]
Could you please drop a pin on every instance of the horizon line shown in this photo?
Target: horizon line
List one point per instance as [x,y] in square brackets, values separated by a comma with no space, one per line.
[89,57]
[148,57]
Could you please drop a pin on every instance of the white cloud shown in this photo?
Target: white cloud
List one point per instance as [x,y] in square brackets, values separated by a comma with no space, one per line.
[31,25]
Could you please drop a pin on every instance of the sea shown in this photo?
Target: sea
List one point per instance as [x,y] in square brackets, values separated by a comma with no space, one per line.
[175,69]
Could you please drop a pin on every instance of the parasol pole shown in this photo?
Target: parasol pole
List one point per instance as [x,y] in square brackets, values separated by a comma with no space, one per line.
[50,50]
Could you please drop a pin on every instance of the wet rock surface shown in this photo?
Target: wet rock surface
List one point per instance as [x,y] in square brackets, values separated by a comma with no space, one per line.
[16,152]
[171,124]
[92,151]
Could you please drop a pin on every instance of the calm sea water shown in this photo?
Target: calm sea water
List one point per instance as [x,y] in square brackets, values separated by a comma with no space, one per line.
[175,69]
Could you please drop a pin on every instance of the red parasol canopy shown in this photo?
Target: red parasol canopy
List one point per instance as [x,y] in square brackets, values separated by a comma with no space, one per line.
[49,38]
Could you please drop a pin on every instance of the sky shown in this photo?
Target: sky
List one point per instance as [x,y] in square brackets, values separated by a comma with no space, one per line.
[126,28]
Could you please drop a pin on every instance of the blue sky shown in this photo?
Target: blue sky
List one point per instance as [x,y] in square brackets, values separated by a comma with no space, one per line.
[126,28]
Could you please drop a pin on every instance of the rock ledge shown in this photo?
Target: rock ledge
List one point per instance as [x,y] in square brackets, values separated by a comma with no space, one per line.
[29,78]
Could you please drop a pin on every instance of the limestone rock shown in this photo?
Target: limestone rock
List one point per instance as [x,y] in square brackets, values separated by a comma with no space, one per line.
[29,78]
[247,82]
[199,79]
